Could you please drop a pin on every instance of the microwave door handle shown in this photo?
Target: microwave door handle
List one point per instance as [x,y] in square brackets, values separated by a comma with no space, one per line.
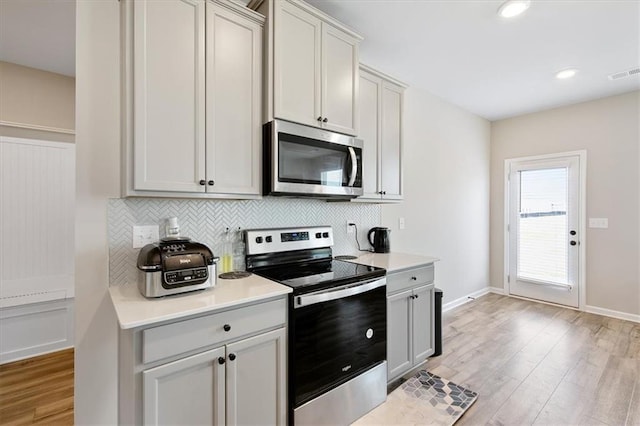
[354,166]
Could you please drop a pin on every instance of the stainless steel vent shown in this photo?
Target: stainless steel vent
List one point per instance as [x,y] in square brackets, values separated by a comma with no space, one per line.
[623,74]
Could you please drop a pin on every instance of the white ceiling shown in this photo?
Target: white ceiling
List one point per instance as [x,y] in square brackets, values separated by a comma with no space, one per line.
[459,50]
[463,52]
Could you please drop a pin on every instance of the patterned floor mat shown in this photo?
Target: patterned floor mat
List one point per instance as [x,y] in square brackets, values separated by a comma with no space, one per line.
[425,399]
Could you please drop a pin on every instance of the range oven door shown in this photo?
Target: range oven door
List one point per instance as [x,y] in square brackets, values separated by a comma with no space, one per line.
[335,335]
[313,162]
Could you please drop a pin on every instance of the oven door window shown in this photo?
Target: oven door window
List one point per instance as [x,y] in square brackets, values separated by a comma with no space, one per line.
[302,160]
[335,341]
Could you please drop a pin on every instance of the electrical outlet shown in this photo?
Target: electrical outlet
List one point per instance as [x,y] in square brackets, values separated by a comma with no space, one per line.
[401,222]
[143,235]
[350,229]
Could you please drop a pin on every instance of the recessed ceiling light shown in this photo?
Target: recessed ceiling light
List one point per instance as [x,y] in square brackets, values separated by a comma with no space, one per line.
[564,74]
[512,8]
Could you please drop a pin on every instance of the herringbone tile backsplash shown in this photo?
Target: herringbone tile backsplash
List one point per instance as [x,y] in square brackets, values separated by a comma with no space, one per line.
[205,221]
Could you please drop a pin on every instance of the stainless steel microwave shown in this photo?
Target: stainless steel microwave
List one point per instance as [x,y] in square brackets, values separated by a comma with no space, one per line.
[307,161]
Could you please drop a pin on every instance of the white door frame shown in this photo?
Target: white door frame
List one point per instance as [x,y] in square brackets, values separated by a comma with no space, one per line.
[582,219]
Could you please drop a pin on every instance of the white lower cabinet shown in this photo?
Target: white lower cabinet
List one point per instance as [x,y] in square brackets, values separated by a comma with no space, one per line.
[190,391]
[226,368]
[410,319]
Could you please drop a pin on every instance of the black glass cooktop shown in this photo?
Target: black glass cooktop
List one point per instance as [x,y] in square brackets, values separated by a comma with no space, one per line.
[317,275]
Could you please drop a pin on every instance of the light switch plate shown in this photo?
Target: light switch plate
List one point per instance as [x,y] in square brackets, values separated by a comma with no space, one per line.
[143,235]
[350,229]
[401,222]
[598,222]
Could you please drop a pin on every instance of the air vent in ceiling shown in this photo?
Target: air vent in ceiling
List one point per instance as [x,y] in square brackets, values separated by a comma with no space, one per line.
[623,74]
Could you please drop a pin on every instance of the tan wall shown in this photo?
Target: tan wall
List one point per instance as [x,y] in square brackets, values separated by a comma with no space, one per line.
[609,129]
[97,180]
[446,193]
[36,104]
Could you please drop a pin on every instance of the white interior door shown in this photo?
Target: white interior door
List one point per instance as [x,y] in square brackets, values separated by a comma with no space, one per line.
[543,229]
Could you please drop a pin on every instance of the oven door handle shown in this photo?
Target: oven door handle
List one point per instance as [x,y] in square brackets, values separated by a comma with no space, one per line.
[337,293]
[354,166]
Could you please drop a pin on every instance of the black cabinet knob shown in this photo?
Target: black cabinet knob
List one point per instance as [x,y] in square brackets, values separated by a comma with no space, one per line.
[573,243]
[414,278]
[319,118]
[232,357]
[226,327]
[210,183]
[325,120]
[202,182]
[416,296]
[572,232]
[220,360]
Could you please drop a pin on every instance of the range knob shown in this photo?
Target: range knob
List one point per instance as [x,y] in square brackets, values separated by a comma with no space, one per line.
[318,234]
[259,240]
[269,239]
[325,235]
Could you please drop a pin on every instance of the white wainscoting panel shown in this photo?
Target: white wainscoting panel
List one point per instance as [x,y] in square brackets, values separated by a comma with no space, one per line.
[35,329]
[37,205]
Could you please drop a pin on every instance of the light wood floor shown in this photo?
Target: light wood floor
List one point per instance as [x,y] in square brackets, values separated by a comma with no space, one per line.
[536,364]
[530,363]
[38,390]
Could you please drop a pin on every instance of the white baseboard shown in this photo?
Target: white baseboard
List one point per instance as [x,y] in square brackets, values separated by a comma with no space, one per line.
[36,329]
[496,290]
[466,299]
[611,313]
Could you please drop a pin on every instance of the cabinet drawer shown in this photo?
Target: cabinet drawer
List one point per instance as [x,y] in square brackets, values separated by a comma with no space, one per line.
[183,336]
[409,278]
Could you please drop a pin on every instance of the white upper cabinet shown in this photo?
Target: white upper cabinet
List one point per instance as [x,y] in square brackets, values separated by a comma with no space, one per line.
[234,96]
[193,85]
[297,64]
[169,90]
[380,110]
[312,67]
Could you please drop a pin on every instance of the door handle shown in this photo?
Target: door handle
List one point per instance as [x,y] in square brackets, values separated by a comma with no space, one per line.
[354,166]
[572,232]
[573,243]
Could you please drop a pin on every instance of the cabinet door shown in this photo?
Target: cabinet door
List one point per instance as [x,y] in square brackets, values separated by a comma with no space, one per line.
[256,380]
[399,323]
[169,91]
[369,110]
[390,142]
[339,80]
[423,309]
[296,64]
[190,391]
[234,86]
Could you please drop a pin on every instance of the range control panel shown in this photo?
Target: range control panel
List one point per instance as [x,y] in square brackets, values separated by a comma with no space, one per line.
[260,241]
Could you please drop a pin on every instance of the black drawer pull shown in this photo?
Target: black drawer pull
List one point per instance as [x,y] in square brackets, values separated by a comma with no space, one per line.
[414,278]
[202,182]
[226,327]
[210,183]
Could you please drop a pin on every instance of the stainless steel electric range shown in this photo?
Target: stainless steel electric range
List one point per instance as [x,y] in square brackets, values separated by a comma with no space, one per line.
[337,336]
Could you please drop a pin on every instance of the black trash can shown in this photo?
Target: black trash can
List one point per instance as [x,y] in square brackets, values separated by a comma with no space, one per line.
[437,320]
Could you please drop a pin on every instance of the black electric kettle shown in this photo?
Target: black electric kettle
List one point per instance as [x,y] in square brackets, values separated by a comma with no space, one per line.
[380,241]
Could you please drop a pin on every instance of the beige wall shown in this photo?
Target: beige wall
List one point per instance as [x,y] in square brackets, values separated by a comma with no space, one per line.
[98,179]
[609,129]
[446,193]
[36,104]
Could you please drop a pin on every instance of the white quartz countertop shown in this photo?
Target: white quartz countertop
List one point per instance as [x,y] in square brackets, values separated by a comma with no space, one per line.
[134,310]
[394,261]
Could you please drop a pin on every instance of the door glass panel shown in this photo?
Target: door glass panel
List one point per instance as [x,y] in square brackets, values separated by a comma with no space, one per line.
[308,161]
[543,226]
